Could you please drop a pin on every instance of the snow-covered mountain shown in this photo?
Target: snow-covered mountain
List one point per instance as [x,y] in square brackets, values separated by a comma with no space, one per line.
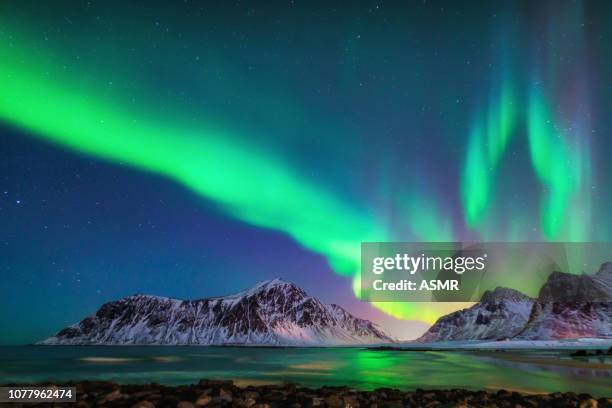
[572,306]
[270,313]
[568,307]
[501,313]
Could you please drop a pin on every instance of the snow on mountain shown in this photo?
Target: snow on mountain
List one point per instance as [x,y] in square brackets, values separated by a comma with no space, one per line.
[270,313]
[572,306]
[500,314]
[568,307]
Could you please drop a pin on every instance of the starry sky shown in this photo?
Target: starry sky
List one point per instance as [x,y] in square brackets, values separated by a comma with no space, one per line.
[191,149]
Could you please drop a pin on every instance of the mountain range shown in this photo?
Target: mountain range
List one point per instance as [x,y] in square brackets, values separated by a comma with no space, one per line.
[567,307]
[273,312]
[280,313]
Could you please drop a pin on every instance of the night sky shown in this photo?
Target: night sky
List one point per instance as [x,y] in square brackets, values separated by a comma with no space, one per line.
[191,149]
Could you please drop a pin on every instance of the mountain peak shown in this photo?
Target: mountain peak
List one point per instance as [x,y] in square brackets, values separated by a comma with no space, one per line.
[272,312]
[276,285]
[568,306]
[501,313]
[272,283]
[504,294]
[144,296]
[567,287]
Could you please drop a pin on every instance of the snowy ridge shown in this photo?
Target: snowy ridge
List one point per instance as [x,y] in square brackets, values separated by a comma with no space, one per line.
[568,307]
[270,313]
[500,314]
[572,306]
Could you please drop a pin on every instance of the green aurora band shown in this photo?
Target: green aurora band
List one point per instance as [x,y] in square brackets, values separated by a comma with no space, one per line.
[242,181]
[557,133]
[246,184]
[562,167]
[488,140]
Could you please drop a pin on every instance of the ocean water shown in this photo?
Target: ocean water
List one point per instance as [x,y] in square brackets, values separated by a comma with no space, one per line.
[524,371]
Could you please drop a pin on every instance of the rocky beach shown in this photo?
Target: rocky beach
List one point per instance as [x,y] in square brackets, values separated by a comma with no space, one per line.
[211,393]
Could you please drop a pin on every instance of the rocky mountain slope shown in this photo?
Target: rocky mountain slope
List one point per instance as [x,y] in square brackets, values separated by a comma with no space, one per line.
[572,306]
[568,307]
[270,313]
[501,313]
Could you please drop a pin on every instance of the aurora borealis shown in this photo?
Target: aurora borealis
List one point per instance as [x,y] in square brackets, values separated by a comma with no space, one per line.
[248,133]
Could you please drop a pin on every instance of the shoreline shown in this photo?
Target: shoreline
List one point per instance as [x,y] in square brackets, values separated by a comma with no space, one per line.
[225,393]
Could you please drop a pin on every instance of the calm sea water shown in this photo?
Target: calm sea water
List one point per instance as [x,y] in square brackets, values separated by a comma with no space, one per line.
[314,367]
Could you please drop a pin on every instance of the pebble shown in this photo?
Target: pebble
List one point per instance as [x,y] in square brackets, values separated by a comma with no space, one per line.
[225,394]
[203,400]
[143,404]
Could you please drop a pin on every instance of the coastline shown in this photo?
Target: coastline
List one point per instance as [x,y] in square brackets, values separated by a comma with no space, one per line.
[225,393]
[524,371]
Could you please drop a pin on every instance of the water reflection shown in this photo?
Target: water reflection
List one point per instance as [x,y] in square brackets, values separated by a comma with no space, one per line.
[353,367]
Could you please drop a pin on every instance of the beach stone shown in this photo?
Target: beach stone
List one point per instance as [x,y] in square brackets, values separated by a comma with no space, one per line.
[143,404]
[139,395]
[351,402]
[225,395]
[115,394]
[333,401]
[311,401]
[275,395]
[251,394]
[590,403]
[203,400]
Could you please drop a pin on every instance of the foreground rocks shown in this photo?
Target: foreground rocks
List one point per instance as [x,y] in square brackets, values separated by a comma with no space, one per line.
[210,393]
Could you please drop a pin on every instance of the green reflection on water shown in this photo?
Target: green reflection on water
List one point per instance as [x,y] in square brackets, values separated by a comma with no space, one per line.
[533,372]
